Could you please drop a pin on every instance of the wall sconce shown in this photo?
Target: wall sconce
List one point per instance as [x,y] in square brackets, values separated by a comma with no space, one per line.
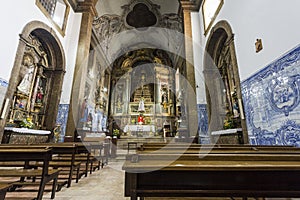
[258,45]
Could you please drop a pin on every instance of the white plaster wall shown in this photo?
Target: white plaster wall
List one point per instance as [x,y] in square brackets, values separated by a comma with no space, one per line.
[198,49]
[70,47]
[276,22]
[14,17]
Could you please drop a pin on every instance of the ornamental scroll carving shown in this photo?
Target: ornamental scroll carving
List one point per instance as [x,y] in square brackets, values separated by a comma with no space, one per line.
[108,25]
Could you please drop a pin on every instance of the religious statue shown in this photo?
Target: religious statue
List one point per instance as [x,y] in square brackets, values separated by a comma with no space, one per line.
[141,119]
[141,105]
[235,108]
[39,95]
[84,112]
[164,99]
[57,133]
[25,84]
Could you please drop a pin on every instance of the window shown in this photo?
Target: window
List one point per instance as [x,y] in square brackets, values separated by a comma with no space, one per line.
[210,10]
[57,11]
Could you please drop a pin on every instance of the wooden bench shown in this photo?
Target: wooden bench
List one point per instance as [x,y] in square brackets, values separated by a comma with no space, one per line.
[69,167]
[173,144]
[19,154]
[234,173]
[88,153]
[97,155]
[3,189]
[184,147]
[82,155]
[100,151]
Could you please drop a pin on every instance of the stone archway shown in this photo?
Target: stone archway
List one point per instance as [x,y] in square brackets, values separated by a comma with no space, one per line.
[220,61]
[146,74]
[39,42]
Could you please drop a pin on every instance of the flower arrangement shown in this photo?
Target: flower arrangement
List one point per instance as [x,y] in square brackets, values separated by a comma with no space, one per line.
[229,123]
[116,132]
[26,123]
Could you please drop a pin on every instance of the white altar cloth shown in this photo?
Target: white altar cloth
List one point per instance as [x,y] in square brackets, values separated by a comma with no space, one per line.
[27,130]
[141,128]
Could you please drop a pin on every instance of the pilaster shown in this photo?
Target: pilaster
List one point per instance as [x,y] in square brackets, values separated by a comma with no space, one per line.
[191,100]
[88,13]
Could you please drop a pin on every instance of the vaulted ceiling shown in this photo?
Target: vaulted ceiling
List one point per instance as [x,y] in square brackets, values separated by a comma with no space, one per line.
[114,6]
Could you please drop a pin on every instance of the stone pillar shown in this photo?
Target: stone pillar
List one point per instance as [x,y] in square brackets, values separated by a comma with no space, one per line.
[191,101]
[88,13]
[127,94]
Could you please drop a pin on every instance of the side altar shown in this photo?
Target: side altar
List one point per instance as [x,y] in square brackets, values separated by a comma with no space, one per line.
[25,136]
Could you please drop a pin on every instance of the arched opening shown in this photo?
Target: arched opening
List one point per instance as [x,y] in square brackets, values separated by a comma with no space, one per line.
[36,79]
[220,61]
[143,85]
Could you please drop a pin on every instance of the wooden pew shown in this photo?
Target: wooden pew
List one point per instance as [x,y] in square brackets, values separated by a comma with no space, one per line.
[100,151]
[183,147]
[82,154]
[97,156]
[172,144]
[250,173]
[3,189]
[86,154]
[18,154]
[69,167]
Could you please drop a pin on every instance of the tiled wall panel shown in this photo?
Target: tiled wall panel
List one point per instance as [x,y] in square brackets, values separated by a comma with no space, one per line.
[271,102]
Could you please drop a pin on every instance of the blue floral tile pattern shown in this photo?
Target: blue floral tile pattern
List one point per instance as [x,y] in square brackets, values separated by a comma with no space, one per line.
[62,117]
[3,83]
[271,100]
[3,88]
[203,124]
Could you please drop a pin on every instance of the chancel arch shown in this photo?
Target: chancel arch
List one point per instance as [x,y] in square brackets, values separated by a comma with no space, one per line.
[35,84]
[224,98]
[143,82]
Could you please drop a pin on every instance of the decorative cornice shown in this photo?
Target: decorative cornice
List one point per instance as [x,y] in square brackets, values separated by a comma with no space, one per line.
[84,6]
[73,4]
[190,5]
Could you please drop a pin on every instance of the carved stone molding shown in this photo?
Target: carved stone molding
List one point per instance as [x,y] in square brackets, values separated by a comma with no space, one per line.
[84,6]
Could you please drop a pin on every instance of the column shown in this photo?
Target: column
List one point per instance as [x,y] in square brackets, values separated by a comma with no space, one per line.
[88,13]
[190,100]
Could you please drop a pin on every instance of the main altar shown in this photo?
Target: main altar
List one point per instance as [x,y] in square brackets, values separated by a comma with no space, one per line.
[145,87]
[140,130]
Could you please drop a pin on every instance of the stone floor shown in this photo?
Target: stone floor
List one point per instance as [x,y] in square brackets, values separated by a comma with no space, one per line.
[104,184]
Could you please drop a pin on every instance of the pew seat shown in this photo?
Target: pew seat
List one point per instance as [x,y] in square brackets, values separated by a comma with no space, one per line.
[3,189]
[21,154]
[232,173]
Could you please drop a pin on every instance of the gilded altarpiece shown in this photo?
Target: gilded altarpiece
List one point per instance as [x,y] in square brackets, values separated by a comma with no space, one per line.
[140,80]
[30,99]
